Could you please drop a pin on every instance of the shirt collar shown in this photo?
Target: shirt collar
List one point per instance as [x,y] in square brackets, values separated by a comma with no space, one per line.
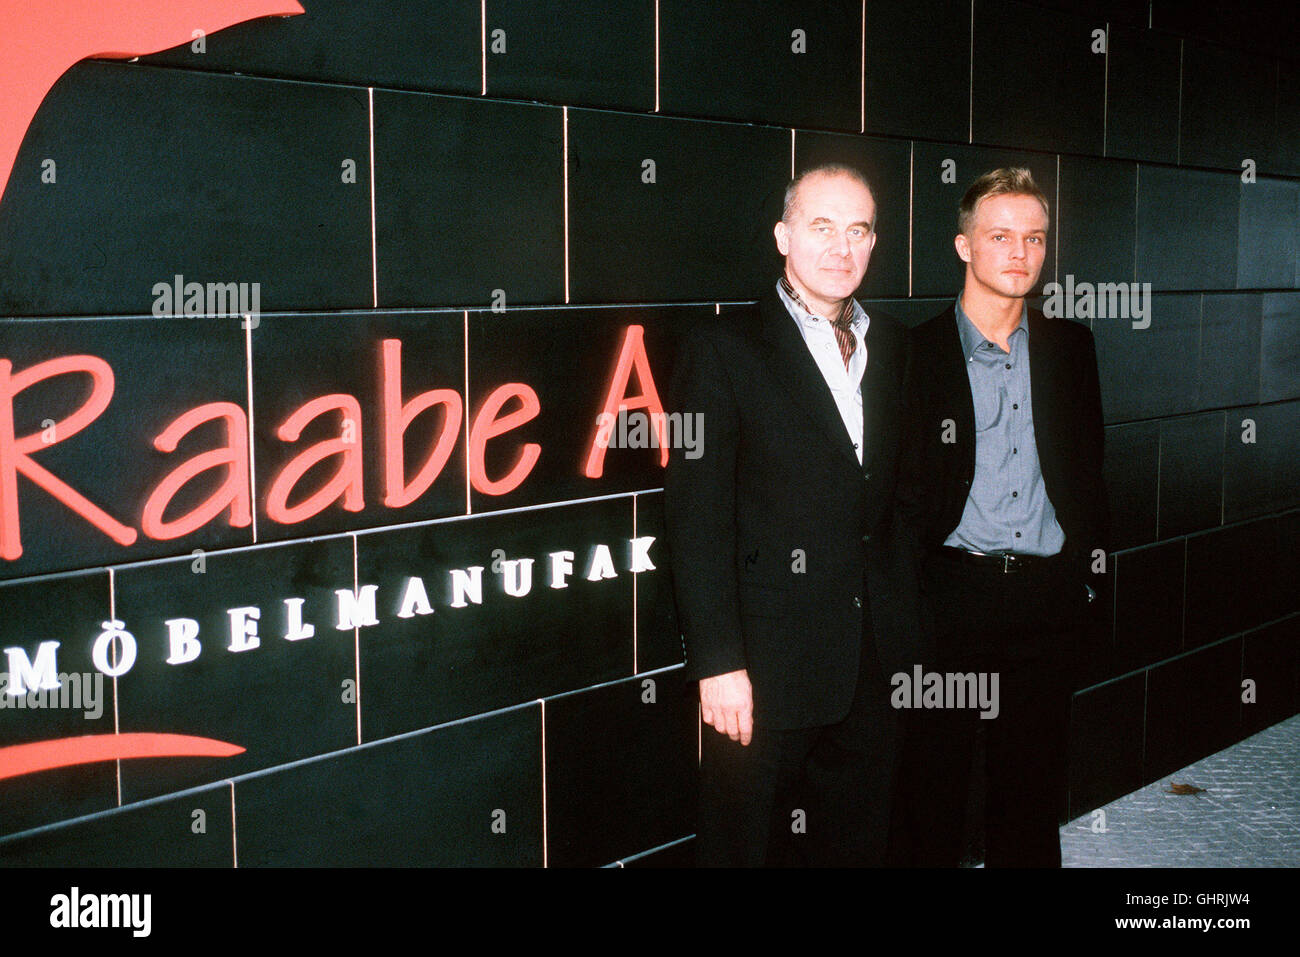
[972,338]
[794,305]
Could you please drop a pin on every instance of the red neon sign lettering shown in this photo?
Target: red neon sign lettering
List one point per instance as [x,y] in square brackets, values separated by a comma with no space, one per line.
[15,451]
[234,492]
[488,424]
[36,50]
[631,357]
[234,495]
[396,419]
[19,759]
[345,482]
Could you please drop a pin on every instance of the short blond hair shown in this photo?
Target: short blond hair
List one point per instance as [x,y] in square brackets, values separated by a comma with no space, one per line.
[1008,181]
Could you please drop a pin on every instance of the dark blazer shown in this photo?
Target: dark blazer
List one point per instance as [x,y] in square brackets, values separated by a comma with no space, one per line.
[775,530]
[936,475]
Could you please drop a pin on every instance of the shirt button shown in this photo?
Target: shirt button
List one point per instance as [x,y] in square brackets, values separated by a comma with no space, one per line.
[1014,451]
[1015,405]
[1017,534]
[1008,365]
[1015,494]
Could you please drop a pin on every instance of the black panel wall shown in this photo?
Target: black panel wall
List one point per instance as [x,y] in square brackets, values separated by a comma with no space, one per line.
[354,536]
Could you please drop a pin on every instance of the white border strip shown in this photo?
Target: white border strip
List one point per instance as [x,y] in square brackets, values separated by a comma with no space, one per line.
[374,242]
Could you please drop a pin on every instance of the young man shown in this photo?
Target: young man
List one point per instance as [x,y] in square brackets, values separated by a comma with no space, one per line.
[1001,479]
[780,547]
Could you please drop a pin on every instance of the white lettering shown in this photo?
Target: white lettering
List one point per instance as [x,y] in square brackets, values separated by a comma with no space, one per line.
[518,576]
[25,674]
[243,628]
[296,631]
[602,564]
[466,583]
[415,600]
[561,568]
[356,610]
[116,637]
[641,553]
[182,640]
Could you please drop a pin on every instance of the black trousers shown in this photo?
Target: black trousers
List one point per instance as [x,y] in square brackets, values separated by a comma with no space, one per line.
[1024,627]
[808,797]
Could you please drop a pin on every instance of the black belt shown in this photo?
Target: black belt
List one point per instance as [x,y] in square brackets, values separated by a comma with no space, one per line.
[1005,564]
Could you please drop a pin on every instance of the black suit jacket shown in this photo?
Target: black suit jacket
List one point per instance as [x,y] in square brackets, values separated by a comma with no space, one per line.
[775,529]
[936,475]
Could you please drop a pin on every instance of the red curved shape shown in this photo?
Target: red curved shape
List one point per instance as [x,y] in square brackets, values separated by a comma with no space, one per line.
[40,41]
[19,759]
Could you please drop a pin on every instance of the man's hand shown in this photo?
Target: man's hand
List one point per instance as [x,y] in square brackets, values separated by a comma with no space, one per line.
[727,703]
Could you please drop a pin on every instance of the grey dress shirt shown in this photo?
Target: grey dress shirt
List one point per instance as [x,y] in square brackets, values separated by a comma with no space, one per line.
[1008,509]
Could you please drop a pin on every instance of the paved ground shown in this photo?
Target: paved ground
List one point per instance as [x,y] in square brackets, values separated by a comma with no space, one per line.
[1248,815]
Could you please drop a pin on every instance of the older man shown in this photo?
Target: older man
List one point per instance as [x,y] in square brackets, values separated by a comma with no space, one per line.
[781,547]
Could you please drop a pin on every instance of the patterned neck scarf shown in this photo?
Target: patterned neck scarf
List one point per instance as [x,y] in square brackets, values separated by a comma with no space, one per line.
[842,324]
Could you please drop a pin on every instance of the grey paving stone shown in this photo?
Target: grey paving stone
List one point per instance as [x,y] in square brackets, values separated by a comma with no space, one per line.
[1247,816]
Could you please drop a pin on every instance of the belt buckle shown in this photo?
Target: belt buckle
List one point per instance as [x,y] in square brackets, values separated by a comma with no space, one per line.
[1008,563]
